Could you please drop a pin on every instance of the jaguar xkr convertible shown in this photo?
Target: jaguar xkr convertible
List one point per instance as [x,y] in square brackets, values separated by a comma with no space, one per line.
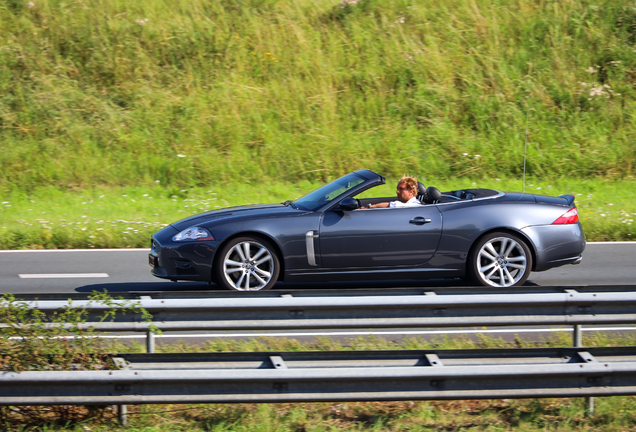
[495,238]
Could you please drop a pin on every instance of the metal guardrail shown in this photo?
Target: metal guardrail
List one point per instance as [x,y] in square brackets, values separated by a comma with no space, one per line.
[135,291]
[382,310]
[332,376]
[276,377]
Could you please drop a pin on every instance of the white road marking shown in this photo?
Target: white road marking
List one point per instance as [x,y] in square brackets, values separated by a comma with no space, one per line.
[63,275]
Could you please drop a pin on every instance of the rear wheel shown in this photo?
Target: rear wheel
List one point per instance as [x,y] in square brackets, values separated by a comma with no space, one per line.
[500,259]
[247,264]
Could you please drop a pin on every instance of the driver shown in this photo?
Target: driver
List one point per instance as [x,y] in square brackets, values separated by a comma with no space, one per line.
[406,192]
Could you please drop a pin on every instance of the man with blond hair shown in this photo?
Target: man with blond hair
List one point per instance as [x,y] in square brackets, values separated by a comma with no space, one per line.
[406,192]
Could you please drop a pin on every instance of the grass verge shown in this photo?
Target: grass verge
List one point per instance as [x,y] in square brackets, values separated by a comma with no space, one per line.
[50,218]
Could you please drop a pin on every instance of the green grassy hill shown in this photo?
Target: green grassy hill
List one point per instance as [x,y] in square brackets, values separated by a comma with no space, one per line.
[199,92]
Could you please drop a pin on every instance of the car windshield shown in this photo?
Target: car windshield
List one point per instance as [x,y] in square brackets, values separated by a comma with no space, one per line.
[329,192]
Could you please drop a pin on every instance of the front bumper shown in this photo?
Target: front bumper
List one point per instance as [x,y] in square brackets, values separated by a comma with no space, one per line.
[181,260]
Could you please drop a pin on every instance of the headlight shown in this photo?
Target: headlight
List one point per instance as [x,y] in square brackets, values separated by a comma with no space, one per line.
[193,233]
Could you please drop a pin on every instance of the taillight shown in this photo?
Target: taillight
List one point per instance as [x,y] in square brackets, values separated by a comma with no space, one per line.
[569,217]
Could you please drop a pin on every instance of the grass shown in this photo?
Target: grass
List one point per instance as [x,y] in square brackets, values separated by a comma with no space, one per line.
[112,93]
[613,414]
[127,217]
[106,103]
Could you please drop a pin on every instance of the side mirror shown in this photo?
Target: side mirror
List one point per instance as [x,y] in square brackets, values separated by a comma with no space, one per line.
[349,204]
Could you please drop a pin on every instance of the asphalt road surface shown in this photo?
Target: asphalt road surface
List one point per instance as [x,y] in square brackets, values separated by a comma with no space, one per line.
[127,270]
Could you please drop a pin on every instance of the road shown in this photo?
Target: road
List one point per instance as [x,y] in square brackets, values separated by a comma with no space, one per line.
[126,270]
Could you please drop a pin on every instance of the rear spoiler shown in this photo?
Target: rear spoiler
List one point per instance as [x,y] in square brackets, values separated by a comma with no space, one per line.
[569,198]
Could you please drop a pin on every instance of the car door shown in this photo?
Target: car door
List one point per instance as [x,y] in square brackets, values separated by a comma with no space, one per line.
[379,237]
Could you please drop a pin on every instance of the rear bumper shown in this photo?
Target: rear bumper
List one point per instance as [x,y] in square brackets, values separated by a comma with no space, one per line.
[556,245]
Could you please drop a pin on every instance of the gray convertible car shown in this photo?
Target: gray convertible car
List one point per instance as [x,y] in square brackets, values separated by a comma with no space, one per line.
[495,238]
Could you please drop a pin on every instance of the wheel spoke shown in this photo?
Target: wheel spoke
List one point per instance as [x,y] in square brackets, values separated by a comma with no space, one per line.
[233,270]
[232,262]
[247,283]
[258,278]
[509,250]
[259,253]
[238,283]
[487,256]
[492,250]
[517,266]
[262,272]
[246,251]
[509,276]
[502,277]
[262,260]
[489,275]
[486,267]
[519,258]
[238,250]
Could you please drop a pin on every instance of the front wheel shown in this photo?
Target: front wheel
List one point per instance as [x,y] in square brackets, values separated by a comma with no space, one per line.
[247,264]
[500,260]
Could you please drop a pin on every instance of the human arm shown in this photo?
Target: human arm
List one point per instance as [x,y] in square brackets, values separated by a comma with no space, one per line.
[378,205]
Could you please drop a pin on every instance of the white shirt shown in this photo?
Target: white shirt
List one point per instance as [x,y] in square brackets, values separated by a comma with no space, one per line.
[410,203]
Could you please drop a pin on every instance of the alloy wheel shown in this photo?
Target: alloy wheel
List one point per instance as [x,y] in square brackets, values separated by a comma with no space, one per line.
[502,262]
[248,266]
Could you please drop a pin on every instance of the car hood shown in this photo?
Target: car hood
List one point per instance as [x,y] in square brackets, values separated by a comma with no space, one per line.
[253,211]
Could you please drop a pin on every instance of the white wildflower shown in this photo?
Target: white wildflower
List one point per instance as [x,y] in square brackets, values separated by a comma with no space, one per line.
[597,91]
[398,21]
[345,3]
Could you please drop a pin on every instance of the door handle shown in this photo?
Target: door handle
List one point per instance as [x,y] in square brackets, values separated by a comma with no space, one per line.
[420,220]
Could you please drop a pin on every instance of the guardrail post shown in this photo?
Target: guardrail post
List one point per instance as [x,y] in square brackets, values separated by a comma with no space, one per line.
[150,342]
[578,336]
[122,414]
[578,342]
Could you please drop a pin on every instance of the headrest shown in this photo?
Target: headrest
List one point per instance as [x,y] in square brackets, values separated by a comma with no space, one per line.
[432,195]
[421,189]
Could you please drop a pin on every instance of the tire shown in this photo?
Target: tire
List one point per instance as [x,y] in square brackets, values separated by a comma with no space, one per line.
[501,260]
[247,264]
